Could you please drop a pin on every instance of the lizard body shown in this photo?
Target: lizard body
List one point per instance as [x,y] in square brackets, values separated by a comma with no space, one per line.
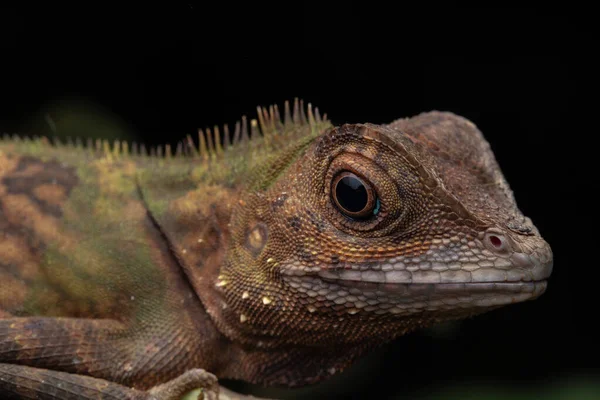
[276,259]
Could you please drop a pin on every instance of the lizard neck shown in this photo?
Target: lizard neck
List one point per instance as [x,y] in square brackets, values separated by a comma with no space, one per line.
[243,355]
[267,358]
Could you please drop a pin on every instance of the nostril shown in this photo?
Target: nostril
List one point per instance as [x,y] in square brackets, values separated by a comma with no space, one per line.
[496,241]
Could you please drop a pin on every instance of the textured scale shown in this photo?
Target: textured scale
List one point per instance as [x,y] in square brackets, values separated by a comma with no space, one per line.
[121,268]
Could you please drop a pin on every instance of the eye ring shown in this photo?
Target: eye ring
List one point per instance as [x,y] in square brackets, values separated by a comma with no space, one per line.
[354,196]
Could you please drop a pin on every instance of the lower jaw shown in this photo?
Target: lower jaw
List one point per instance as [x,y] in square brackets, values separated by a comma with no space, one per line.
[490,294]
[530,287]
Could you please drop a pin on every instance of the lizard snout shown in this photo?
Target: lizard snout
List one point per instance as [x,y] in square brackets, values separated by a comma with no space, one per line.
[529,256]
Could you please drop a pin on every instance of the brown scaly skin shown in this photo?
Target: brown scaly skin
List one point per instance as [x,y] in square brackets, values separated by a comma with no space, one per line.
[120,272]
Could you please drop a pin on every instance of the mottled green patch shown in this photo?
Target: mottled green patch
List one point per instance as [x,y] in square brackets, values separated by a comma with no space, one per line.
[165,184]
[193,395]
[275,165]
[100,252]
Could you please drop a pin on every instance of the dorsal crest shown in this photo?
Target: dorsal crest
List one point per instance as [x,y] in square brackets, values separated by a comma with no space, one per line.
[269,130]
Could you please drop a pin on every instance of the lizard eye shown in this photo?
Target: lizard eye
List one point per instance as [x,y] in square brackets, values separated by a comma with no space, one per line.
[354,196]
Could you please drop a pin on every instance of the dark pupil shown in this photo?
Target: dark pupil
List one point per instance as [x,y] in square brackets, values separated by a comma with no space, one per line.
[351,194]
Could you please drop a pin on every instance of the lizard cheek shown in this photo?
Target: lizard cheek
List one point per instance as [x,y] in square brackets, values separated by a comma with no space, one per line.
[257,238]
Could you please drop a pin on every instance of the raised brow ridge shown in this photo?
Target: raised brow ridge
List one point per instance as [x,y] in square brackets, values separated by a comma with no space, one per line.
[458,154]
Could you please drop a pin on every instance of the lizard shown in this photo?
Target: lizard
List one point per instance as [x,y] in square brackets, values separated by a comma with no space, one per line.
[277,253]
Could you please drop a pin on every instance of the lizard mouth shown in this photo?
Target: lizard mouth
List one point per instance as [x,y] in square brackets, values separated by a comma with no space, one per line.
[407,292]
[405,299]
[465,294]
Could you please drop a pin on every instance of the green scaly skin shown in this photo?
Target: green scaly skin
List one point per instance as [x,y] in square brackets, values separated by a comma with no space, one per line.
[129,275]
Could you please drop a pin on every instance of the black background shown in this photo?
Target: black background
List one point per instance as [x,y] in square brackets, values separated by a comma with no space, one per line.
[164,71]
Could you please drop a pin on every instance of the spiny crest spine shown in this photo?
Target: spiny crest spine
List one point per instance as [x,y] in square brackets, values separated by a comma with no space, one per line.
[267,124]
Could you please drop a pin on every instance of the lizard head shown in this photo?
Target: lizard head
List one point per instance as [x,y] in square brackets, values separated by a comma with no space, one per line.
[369,231]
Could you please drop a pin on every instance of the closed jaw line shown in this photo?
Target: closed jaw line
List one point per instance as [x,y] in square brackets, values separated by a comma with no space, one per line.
[434,286]
[519,267]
